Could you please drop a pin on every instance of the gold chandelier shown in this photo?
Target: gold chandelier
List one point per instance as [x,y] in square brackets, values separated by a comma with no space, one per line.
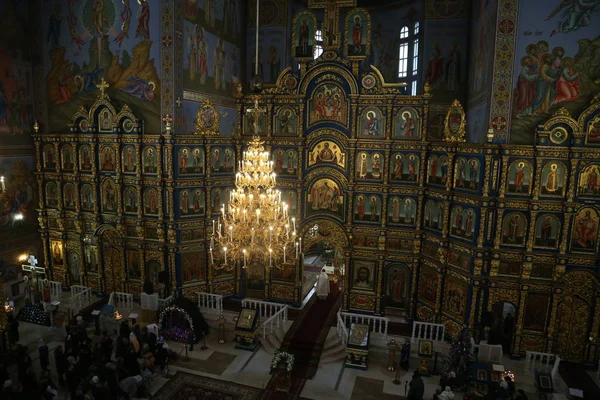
[255,228]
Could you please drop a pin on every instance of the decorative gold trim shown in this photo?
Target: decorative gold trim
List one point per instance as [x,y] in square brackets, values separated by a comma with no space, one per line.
[207,119]
[457,134]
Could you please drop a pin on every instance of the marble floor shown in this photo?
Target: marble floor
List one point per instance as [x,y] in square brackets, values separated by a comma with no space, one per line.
[332,381]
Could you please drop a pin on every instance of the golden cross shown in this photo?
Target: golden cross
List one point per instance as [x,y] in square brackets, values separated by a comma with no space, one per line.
[102,86]
[332,17]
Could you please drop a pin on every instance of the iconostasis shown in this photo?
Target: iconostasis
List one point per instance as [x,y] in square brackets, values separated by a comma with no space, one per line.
[431,228]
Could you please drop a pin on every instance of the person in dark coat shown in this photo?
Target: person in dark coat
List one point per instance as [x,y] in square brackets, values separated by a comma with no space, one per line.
[44,354]
[13,329]
[60,360]
[72,377]
[416,387]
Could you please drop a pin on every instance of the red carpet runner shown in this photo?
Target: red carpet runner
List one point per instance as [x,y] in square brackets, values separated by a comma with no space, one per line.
[305,339]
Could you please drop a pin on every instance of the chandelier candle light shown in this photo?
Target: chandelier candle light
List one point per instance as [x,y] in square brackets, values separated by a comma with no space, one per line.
[256,225]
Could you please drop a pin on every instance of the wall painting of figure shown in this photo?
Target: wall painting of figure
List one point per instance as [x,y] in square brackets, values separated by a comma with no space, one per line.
[108,161]
[85,158]
[462,222]
[51,194]
[87,197]
[193,266]
[150,160]
[428,286]
[303,36]
[405,167]
[584,233]
[406,125]
[49,157]
[150,202]
[325,195]
[286,122]
[68,158]
[363,275]
[367,208]
[547,231]
[466,174]
[58,253]
[553,179]
[369,165]
[109,196]
[372,123]
[396,284]
[536,307]
[134,264]
[285,162]
[222,160]
[514,229]
[358,32]
[69,195]
[327,152]
[520,175]
[328,103]
[588,181]
[130,199]
[191,202]
[434,213]
[437,170]
[455,297]
[129,159]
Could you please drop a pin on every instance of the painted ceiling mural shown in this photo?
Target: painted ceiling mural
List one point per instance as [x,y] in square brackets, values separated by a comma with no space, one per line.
[557,62]
[86,41]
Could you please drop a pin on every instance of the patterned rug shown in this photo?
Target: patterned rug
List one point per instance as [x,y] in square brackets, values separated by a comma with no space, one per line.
[187,386]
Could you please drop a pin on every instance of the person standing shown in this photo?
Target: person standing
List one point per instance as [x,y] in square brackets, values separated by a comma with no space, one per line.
[323,285]
[44,355]
[60,361]
[417,387]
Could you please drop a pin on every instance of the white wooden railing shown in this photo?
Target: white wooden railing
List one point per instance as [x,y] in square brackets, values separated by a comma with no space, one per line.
[265,308]
[124,301]
[342,331]
[427,331]
[55,290]
[379,325]
[164,303]
[81,296]
[547,362]
[275,321]
[149,301]
[209,302]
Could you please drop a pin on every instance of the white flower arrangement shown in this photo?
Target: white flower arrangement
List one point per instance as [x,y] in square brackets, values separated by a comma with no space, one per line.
[283,356]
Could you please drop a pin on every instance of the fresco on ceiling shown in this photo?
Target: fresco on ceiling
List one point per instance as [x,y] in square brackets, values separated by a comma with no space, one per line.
[16,88]
[557,62]
[212,39]
[86,41]
[18,216]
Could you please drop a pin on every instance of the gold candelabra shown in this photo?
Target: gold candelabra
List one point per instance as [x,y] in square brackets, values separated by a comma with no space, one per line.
[255,228]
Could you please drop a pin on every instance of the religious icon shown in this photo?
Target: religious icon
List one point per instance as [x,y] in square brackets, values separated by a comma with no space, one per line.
[150,162]
[466,174]
[593,135]
[129,159]
[68,160]
[198,202]
[509,267]
[107,159]
[184,207]
[514,228]
[536,308]
[249,122]
[425,348]
[437,170]
[183,161]
[325,195]
[428,285]
[85,160]
[406,125]
[134,264]
[193,266]
[363,275]
[397,286]
[584,233]
[547,229]
[57,250]
[216,201]
[367,208]
[105,121]
[394,210]
[290,199]
[51,194]
[130,199]
[286,121]
[69,195]
[358,28]
[455,296]
[303,36]
[519,177]
[327,152]
[372,122]
[49,157]
[553,179]
[74,266]
[462,222]
[328,103]
[109,195]
[433,215]
[87,198]
[151,202]
[588,181]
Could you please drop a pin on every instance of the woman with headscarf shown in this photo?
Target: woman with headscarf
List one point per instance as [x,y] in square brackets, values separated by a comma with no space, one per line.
[446,394]
[134,342]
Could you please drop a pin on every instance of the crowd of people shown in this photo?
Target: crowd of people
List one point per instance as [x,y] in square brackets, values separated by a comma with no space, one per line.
[89,368]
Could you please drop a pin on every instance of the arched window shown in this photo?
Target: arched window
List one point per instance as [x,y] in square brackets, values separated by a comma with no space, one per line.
[318,44]
[408,57]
